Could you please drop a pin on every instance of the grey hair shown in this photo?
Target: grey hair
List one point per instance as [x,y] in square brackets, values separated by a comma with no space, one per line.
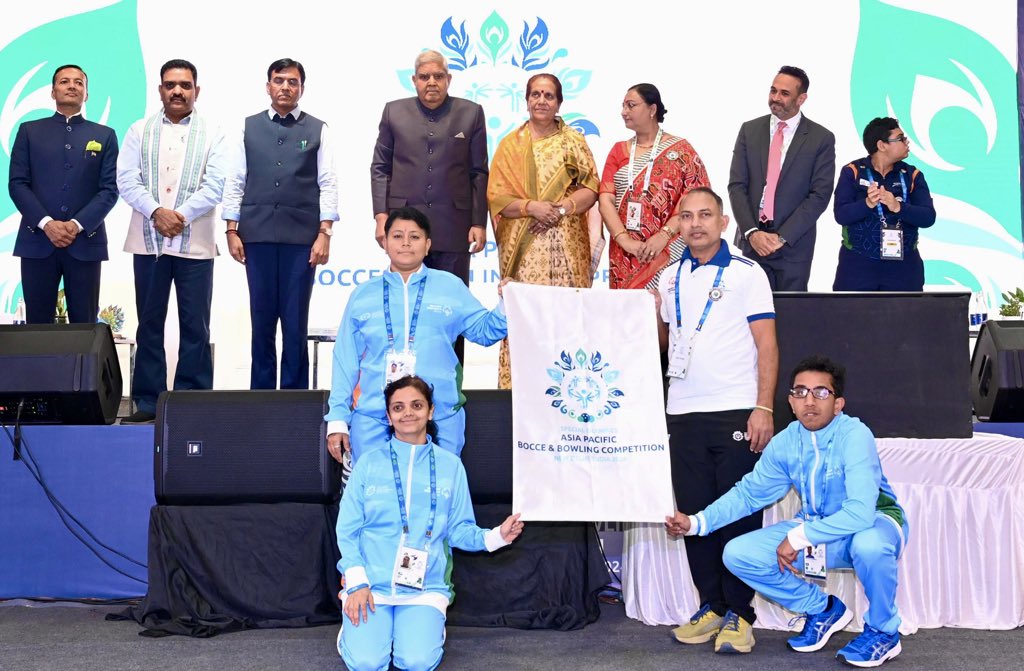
[430,56]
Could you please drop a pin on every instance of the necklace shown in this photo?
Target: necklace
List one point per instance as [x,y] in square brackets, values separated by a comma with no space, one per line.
[539,135]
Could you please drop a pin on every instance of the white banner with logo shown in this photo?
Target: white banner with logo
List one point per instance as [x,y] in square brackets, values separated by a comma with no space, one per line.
[589,435]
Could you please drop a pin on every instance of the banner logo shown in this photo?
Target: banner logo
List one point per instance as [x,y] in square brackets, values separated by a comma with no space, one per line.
[582,389]
[491,66]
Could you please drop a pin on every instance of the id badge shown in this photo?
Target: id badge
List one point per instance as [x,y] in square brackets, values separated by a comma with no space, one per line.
[892,244]
[398,365]
[679,361]
[814,561]
[634,210]
[410,567]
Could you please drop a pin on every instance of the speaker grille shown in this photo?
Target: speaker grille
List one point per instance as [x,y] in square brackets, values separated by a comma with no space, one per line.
[243,446]
[59,374]
[487,455]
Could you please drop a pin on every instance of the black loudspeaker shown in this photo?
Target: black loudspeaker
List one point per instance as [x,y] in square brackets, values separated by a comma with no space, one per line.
[214,447]
[997,372]
[906,357]
[58,374]
[487,455]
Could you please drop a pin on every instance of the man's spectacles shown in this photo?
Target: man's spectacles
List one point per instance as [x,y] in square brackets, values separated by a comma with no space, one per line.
[898,138]
[820,393]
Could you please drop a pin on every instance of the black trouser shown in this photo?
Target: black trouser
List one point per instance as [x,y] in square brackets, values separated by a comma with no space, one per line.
[707,460]
[456,263]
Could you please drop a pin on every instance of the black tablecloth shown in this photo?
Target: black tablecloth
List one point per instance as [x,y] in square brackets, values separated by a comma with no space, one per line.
[548,579]
[215,569]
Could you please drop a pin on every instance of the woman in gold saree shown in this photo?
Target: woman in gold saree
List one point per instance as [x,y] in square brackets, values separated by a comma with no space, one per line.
[543,181]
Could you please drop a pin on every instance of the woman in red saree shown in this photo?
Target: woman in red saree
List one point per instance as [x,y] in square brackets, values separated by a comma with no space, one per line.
[643,181]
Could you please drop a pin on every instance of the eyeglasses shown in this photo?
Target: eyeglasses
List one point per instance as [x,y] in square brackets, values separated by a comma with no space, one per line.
[820,393]
[898,138]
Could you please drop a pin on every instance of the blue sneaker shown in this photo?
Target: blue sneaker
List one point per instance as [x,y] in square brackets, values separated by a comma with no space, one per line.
[820,627]
[872,648]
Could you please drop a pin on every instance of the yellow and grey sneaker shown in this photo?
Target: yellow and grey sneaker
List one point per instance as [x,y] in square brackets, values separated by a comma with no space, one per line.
[702,627]
[736,635]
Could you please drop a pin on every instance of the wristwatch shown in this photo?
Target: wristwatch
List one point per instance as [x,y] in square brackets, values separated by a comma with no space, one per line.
[327,231]
[561,210]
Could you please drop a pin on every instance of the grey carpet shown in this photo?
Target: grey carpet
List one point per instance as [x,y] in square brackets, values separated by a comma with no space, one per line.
[45,637]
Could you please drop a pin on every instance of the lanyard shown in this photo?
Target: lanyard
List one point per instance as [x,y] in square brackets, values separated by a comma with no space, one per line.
[806,503]
[412,322]
[401,492]
[707,308]
[649,166]
[878,205]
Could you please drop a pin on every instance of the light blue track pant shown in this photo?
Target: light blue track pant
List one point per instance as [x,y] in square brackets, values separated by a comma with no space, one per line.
[416,633]
[872,553]
[370,433]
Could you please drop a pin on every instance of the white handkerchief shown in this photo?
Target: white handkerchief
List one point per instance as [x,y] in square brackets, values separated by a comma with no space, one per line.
[459,134]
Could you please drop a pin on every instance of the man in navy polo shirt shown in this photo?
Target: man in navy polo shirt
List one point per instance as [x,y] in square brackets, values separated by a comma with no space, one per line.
[717,317]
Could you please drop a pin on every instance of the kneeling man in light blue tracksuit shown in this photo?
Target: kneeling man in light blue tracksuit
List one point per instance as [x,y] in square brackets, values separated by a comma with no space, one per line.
[849,518]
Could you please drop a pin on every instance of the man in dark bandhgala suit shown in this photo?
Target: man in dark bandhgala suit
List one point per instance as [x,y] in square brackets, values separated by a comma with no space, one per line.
[63,180]
[431,154]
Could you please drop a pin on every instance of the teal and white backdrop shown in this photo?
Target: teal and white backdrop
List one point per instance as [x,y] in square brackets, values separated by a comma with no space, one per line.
[946,69]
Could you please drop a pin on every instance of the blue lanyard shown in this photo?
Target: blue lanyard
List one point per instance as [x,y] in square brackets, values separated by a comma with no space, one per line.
[805,496]
[878,205]
[401,492]
[412,321]
[707,308]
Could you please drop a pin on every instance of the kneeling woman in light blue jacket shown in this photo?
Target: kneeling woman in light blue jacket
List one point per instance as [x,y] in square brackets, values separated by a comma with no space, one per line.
[401,323]
[401,505]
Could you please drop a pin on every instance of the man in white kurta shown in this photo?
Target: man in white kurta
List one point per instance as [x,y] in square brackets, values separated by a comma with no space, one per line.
[171,172]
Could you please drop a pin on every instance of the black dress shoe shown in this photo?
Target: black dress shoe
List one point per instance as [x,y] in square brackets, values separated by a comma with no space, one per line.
[139,417]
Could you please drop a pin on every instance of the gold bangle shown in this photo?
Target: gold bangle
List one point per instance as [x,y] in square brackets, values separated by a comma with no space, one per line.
[574,206]
[522,208]
[766,409]
[667,231]
[622,232]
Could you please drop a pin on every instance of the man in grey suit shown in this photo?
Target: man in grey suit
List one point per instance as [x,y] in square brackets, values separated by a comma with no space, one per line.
[776,204]
[431,154]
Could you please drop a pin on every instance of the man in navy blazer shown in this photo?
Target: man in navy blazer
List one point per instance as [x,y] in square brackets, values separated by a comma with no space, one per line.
[783,243]
[431,154]
[63,180]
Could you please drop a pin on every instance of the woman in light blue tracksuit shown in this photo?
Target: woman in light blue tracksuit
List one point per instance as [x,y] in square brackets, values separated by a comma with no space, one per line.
[395,596]
[409,309]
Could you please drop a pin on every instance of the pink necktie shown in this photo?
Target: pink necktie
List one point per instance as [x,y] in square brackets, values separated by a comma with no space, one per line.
[774,167]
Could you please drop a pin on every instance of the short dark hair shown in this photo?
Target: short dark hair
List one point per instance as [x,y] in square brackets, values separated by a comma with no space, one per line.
[652,96]
[548,75]
[710,192]
[420,385]
[793,71]
[65,67]
[179,64]
[409,214]
[284,64]
[819,363]
[878,129]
